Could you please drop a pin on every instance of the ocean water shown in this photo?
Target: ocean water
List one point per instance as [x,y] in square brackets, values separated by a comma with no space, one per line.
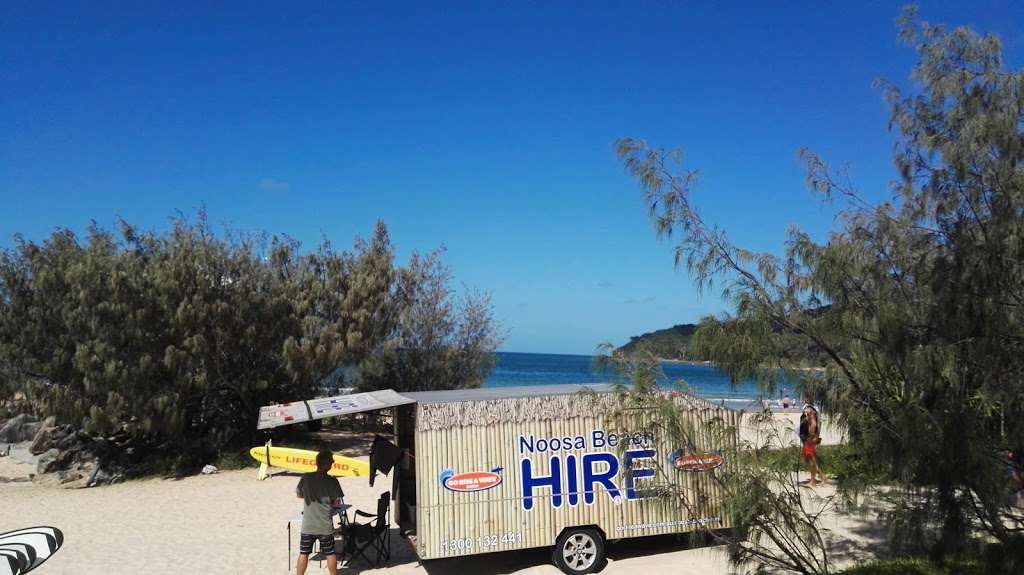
[516,369]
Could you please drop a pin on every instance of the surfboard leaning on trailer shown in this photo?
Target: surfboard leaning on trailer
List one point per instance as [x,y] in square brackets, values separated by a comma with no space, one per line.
[305,461]
[500,469]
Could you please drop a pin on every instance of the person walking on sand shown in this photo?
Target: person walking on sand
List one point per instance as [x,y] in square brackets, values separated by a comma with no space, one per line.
[810,438]
[319,493]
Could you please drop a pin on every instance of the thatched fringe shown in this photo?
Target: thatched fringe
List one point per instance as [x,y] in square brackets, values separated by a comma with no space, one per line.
[520,409]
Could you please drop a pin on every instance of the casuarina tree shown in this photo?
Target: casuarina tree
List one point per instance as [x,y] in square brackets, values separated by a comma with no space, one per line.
[441,339]
[176,338]
[917,303]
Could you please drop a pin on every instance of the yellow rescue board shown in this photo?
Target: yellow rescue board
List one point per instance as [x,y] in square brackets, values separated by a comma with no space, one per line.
[304,460]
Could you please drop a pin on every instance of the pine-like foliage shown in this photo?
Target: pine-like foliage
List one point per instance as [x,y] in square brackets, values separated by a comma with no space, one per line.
[440,340]
[178,337]
[925,334]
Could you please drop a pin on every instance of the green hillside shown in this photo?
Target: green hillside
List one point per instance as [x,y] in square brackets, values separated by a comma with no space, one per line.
[674,343]
[669,343]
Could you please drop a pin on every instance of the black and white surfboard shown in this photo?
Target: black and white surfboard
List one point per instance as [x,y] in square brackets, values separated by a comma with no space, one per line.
[16,558]
[30,547]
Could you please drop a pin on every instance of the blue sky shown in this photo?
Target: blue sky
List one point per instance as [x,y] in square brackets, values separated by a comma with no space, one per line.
[484,127]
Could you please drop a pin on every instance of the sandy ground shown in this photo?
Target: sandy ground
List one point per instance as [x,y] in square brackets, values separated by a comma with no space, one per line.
[231,523]
[783,431]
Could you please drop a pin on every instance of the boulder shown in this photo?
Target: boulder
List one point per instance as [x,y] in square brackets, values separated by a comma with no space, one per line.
[66,440]
[50,421]
[47,461]
[13,431]
[29,430]
[41,441]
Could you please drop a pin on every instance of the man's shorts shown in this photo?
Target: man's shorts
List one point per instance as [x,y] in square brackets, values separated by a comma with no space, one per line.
[809,448]
[326,543]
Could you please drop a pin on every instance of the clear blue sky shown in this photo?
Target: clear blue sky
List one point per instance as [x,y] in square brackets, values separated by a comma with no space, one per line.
[485,127]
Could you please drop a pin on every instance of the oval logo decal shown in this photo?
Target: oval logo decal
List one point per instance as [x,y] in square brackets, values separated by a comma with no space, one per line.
[470,481]
[697,462]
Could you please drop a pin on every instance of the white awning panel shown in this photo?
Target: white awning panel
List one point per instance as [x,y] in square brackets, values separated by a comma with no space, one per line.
[299,411]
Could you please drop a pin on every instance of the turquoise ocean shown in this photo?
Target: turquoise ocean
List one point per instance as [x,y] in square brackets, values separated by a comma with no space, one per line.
[516,369]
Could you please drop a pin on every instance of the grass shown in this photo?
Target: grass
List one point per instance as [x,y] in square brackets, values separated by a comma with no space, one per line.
[839,462]
[916,567]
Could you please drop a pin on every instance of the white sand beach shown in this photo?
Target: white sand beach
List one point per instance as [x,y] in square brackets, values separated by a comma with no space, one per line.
[229,522]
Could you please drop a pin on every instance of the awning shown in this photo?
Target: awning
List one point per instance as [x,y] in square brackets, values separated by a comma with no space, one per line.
[299,411]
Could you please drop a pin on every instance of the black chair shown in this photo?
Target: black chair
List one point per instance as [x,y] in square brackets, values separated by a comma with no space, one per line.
[371,537]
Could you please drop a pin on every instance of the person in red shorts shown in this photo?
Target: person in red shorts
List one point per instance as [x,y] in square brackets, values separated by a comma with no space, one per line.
[809,436]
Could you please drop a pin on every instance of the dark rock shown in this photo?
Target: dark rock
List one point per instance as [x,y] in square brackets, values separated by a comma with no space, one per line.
[98,476]
[13,430]
[41,442]
[69,469]
[29,430]
[67,441]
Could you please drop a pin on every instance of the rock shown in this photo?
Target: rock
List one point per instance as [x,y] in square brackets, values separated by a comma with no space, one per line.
[66,441]
[46,461]
[98,476]
[74,468]
[74,475]
[50,421]
[12,431]
[30,430]
[50,479]
[41,442]
[20,454]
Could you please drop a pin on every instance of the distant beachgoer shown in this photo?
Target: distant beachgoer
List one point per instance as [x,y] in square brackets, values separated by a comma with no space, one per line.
[785,404]
[1015,466]
[319,492]
[810,437]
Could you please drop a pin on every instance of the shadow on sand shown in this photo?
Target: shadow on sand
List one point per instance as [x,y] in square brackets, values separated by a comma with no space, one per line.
[505,562]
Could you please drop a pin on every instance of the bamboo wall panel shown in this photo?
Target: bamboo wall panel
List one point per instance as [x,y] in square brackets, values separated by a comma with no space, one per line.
[453,523]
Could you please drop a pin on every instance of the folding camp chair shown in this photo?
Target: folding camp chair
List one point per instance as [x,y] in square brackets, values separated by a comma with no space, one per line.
[375,536]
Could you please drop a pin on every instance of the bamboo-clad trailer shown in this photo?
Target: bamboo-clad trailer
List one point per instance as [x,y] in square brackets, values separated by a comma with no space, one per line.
[499,469]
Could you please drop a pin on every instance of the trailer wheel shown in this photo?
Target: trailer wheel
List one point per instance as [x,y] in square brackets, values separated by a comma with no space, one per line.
[579,551]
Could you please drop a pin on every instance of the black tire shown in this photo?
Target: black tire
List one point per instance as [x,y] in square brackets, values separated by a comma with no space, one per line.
[579,551]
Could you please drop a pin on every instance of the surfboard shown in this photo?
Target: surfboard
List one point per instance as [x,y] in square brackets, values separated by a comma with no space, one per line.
[305,460]
[25,549]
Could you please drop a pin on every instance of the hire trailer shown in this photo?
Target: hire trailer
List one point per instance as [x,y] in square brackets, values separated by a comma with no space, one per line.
[500,469]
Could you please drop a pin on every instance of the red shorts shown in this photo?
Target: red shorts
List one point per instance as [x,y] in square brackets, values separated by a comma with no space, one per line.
[809,448]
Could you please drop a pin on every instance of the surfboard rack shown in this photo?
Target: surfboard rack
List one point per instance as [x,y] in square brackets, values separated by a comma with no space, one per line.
[264,472]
